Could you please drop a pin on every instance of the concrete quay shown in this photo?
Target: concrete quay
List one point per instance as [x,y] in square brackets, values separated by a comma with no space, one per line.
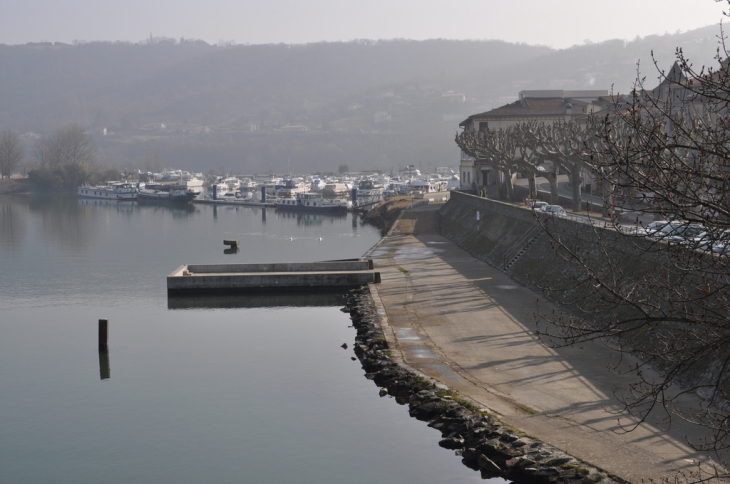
[219,278]
[471,327]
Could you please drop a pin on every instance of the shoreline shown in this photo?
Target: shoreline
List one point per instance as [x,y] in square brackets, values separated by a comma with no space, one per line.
[476,435]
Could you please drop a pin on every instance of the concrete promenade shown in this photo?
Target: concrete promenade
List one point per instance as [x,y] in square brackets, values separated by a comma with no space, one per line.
[470,326]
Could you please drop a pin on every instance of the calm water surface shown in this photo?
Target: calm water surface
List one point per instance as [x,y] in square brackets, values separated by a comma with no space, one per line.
[226,390]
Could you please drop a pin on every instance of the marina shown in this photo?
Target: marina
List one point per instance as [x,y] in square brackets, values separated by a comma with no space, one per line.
[308,193]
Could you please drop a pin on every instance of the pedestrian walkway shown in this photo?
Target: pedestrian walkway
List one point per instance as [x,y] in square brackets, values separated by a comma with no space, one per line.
[471,327]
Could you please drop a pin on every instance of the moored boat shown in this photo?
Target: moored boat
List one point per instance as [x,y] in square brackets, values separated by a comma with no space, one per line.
[312,202]
[110,191]
[176,194]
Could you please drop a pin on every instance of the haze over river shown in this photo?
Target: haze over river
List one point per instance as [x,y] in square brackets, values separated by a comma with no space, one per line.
[229,390]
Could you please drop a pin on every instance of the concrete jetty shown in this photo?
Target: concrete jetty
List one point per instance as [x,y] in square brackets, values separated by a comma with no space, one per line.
[243,278]
[471,327]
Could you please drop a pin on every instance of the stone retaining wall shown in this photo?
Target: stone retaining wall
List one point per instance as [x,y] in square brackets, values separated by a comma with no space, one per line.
[504,230]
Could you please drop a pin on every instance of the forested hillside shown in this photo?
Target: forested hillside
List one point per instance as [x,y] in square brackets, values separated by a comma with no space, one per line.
[369,104]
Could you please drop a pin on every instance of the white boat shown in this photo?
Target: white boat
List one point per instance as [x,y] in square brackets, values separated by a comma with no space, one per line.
[219,189]
[176,194]
[110,191]
[291,188]
[169,175]
[192,180]
[368,188]
[422,186]
[335,190]
[312,202]
[233,182]
[317,185]
[453,183]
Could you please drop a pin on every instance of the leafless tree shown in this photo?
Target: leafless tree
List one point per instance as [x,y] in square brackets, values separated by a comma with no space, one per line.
[70,144]
[508,151]
[11,152]
[40,151]
[659,154]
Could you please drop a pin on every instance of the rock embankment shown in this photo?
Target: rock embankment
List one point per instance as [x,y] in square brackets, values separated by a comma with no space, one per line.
[385,214]
[483,443]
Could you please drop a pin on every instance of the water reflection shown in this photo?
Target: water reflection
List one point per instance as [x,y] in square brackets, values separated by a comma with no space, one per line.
[232,250]
[12,225]
[104,368]
[126,206]
[62,219]
[310,219]
[180,210]
[263,215]
[232,301]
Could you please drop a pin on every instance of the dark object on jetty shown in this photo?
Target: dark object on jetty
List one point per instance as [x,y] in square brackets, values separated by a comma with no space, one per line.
[248,278]
[232,243]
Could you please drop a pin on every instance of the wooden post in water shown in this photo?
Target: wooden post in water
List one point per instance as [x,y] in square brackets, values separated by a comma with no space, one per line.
[104,370]
[103,335]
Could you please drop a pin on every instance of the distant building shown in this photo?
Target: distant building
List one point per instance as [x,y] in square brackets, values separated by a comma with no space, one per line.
[549,106]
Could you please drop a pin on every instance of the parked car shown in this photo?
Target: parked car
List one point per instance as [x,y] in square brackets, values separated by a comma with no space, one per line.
[694,235]
[555,210]
[537,204]
[655,226]
[633,230]
[721,248]
[667,230]
[717,241]
[681,232]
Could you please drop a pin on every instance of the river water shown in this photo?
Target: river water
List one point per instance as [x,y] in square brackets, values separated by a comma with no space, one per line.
[234,389]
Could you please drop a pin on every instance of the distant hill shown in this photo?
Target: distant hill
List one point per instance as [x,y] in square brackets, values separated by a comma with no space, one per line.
[370,104]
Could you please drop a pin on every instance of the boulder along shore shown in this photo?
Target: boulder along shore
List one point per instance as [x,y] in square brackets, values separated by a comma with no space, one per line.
[483,443]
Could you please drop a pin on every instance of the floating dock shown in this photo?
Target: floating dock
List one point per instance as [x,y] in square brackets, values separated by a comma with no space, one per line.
[251,278]
[234,202]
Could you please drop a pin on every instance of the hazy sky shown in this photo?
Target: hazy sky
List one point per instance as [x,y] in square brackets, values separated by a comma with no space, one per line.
[558,23]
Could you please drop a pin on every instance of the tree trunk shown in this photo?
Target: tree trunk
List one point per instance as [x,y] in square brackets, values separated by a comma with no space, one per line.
[577,182]
[533,186]
[553,179]
[500,185]
[606,196]
[509,187]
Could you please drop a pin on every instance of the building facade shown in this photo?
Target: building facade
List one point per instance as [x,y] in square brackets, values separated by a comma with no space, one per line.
[548,106]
